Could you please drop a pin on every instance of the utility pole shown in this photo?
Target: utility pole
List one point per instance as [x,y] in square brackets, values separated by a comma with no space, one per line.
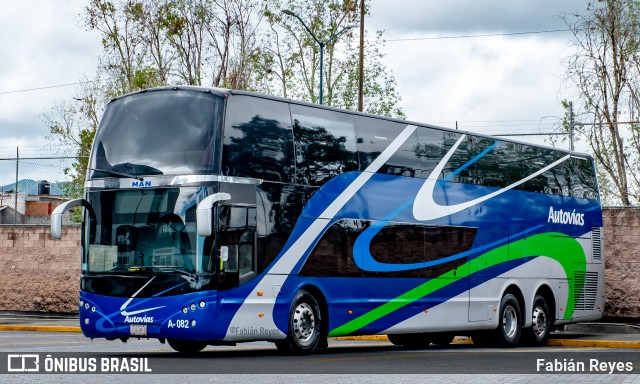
[15,190]
[571,126]
[321,44]
[361,65]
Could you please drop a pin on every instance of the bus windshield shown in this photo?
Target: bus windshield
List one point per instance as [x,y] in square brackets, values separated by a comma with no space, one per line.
[143,231]
[158,132]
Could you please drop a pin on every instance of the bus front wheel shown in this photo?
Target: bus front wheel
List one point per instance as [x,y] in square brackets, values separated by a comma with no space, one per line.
[304,333]
[187,346]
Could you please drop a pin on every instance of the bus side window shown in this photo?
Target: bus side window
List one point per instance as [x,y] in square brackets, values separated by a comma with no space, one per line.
[258,139]
[375,135]
[432,145]
[325,144]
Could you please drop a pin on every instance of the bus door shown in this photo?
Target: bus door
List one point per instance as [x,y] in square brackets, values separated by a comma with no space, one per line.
[236,245]
[484,287]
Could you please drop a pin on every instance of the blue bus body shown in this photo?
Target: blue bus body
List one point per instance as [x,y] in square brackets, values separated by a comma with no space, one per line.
[402,229]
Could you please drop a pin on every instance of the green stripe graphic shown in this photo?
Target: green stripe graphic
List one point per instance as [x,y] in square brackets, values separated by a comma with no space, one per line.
[557,246]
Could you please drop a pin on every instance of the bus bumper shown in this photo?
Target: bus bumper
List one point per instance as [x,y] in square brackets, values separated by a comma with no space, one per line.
[187,317]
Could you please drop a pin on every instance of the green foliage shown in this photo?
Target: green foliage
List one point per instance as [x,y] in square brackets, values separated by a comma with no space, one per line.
[290,63]
[74,124]
[239,44]
[605,67]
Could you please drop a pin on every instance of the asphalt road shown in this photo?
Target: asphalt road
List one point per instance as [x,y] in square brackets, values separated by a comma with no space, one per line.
[352,362]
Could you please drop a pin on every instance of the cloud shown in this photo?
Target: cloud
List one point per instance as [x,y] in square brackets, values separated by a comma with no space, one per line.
[42,45]
[26,132]
[401,17]
[495,79]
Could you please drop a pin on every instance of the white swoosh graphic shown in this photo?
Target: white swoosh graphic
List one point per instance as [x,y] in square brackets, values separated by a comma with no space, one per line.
[124,306]
[425,207]
[277,275]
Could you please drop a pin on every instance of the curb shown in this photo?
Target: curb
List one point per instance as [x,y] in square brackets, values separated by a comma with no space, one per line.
[40,328]
[594,343]
[457,340]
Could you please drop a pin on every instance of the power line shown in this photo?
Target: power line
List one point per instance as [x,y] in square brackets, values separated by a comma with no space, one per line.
[490,121]
[479,35]
[48,87]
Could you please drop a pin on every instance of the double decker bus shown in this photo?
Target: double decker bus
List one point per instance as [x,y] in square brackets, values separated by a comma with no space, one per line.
[214,216]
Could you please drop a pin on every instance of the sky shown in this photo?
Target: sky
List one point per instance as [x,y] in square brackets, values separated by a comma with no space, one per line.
[489,84]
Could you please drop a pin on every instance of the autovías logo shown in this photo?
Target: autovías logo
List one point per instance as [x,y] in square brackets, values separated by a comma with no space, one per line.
[565,217]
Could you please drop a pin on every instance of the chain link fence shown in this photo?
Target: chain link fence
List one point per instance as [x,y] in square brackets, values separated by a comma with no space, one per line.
[31,187]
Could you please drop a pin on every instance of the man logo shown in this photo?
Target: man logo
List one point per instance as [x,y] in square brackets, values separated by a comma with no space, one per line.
[23,363]
[141,184]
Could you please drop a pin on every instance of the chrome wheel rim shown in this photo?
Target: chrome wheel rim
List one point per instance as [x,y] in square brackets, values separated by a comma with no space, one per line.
[304,323]
[539,321]
[510,322]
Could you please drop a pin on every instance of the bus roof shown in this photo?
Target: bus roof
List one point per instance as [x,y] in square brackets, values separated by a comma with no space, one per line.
[224,92]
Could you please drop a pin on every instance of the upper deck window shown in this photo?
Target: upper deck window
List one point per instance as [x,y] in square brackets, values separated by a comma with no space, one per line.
[258,140]
[159,132]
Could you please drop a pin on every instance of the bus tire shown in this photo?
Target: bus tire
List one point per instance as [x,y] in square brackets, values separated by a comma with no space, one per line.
[442,338]
[410,340]
[509,322]
[305,325]
[542,318]
[187,346]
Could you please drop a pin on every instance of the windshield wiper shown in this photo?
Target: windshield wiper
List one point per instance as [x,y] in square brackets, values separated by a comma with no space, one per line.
[195,280]
[167,268]
[116,173]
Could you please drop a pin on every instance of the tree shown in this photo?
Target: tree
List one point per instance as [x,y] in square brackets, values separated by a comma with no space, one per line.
[290,63]
[220,43]
[152,43]
[158,42]
[605,68]
[74,123]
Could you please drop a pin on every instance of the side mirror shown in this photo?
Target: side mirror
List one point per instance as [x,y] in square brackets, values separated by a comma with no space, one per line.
[204,213]
[56,215]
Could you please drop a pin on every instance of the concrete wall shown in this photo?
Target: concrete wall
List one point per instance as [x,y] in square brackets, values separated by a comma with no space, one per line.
[40,274]
[622,258]
[37,273]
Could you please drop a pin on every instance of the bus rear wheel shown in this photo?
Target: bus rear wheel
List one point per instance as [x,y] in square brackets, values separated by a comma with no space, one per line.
[540,328]
[507,335]
[510,322]
[187,346]
[305,327]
